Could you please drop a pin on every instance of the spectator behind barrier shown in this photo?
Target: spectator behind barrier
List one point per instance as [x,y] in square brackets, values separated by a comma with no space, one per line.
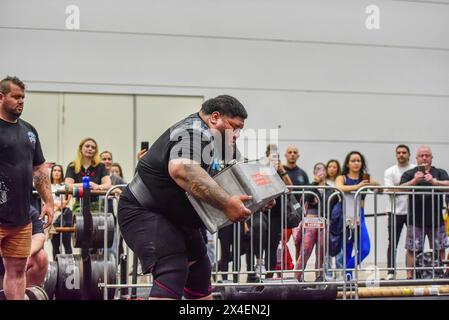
[333,170]
[397,207]
[424,175]
[116,179]
[107,159]
[297,176]
[117,174]
[61,210]
[308,238]
[354,177]
[87,163]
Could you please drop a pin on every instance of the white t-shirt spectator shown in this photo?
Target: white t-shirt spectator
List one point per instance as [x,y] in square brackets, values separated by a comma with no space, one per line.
[392,177]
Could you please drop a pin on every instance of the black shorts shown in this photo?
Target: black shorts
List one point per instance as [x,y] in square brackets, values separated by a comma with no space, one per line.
[152,236]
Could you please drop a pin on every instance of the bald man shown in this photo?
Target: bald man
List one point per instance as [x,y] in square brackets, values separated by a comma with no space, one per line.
[432,225]
[297,175]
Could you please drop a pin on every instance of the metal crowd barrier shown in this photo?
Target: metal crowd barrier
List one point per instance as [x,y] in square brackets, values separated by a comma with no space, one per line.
[352,280]
[259,249]
[322,215]
[424,263]
[284,280]
[282,226]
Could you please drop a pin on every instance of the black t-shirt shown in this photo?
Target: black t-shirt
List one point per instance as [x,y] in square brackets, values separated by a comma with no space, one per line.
[190,138]
[20,150]
[94,173]
[298,176]
[37,224]
[426,200]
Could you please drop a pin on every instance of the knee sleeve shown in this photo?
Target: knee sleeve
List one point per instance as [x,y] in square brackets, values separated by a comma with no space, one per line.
[198,283]
[170,274]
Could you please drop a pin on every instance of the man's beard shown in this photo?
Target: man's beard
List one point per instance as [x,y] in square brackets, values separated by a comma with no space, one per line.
[12,114]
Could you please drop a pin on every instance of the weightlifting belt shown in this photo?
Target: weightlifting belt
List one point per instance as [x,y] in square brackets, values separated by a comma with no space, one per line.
[141,192]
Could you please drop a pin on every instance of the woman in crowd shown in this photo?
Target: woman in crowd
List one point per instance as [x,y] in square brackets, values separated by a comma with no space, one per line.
[355,176]
[61,211]
[112,168]
[308,238]
[106,159]
[333,170]
[117,172]
[87,164]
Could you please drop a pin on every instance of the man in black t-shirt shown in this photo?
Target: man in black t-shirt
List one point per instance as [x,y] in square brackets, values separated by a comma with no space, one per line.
[298,176]
[425,212]
[38,261]
[156,218]
[21,162]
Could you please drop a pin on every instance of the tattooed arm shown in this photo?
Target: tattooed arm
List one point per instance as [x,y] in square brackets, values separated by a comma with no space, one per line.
[43,187]
[192,178]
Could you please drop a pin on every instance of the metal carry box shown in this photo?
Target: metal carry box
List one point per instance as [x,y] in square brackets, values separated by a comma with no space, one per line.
[254,178]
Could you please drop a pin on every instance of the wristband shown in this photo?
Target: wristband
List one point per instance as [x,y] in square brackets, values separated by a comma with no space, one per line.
[86,182]
[80,192]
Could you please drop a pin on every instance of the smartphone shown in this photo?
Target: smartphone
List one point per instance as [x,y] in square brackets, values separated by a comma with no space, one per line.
[366,176]
[144,145]
[274,159]
[422,168]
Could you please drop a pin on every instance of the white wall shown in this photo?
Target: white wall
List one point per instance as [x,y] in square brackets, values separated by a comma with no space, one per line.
[117,122]
[308,66]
